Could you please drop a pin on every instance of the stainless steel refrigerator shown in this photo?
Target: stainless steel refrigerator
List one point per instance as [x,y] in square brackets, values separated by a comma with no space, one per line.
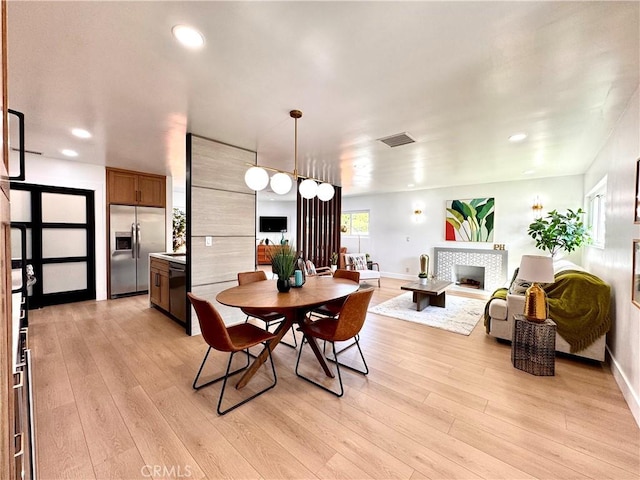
[135,233]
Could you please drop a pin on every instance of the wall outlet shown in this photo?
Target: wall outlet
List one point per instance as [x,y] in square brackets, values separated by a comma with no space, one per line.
[208,241]
[406,269]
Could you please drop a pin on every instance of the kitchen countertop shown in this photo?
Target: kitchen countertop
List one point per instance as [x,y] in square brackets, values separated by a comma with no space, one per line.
[171,257]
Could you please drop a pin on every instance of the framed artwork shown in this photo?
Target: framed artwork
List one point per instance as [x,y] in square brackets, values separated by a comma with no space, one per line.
[635,280]
[470,220]
[637,209]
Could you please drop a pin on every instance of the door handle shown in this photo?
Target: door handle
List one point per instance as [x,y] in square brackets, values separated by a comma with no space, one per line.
[133,239]
[139,233]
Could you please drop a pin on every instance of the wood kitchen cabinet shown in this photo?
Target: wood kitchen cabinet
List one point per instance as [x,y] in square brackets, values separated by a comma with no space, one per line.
[159,283]
[125,187]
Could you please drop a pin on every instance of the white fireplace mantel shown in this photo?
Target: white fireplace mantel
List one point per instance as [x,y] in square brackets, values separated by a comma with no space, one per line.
[493,261]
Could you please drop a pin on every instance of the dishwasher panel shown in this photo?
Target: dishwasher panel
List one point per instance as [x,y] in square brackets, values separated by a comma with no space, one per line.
[178,291]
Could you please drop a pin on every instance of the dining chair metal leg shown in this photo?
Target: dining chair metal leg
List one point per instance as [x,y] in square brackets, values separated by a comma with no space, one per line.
[228,374]
[195,380]
[295,340]
[349,346]
[357,344]
[337,394]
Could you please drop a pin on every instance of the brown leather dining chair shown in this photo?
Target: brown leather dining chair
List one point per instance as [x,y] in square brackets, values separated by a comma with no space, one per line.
[269,318]
[332,309]
[347,326]
[232,339]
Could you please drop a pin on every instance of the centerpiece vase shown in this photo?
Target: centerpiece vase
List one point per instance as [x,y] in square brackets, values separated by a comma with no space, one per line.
[283,285]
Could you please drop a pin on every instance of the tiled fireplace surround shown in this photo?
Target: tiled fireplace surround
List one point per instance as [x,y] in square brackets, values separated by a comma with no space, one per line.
[494,263]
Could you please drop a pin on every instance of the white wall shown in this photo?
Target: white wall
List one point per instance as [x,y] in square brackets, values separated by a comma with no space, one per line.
[273,208]
[396,240]
[617,160]
[60,173]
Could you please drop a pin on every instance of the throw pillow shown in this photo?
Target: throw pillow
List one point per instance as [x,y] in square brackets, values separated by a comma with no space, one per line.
[311,268]
[359,261]
[519,286]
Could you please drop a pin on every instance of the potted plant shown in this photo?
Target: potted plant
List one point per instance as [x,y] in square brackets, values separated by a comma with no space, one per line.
[334,261]
[179,230]
[283,260]
[560,231]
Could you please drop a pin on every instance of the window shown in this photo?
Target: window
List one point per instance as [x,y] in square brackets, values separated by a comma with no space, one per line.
[596,200]
[355,223]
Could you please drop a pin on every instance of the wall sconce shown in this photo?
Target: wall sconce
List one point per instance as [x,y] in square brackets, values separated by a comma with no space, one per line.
[537,207]
[417,215]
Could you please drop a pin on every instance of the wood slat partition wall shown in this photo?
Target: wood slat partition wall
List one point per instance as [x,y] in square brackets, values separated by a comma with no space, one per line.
[220,206]
[318,227]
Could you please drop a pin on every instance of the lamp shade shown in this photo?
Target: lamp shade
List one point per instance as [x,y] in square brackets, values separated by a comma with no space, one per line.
[281,183]
[325,192]
[536,268]
[256,178]
[308,188]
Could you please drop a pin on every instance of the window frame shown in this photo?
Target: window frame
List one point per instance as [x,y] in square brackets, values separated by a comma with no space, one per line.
[596,201]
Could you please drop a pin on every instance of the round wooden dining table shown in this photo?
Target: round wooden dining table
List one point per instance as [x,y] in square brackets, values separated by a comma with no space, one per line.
[294,305]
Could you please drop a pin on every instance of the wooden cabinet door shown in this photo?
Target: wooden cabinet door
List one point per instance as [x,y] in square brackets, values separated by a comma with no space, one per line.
[159,288]
[151,191]
[122,187]
[133,188]
[7,397]
[159,283]
[154,286]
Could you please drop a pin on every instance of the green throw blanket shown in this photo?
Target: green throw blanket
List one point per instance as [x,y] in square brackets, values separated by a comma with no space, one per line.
[500,293]
[579,304]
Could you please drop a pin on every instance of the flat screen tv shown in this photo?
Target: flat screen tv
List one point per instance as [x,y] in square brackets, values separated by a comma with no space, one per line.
[273,224]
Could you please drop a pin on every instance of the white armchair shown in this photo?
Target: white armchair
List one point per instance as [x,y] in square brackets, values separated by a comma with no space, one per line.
[358,261]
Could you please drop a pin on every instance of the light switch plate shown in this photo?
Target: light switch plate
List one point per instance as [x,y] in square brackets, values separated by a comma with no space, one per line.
[208,241]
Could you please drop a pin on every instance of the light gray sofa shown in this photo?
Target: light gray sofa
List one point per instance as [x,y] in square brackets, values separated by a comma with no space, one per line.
[501,312]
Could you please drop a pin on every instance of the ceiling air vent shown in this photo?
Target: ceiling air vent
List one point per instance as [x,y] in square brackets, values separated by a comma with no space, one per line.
[33,152]
[397,139]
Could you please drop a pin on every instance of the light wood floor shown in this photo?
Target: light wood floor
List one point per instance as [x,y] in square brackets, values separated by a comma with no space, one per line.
[114,400]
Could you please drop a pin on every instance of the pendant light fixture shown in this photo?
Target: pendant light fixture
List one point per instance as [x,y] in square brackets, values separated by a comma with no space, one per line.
[257,178]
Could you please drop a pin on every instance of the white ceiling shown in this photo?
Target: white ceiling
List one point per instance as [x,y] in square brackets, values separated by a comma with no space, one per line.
[460,77]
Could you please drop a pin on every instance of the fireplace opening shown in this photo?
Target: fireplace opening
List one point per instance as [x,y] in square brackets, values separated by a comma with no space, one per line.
[469,276]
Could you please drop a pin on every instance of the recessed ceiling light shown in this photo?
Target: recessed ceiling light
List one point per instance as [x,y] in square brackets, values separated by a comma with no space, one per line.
[528,172]
[411,185]
[188,36]
[80,133]
[69,153]
[517,137]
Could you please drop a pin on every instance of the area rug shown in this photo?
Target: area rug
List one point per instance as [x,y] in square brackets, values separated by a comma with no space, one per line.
[460,315]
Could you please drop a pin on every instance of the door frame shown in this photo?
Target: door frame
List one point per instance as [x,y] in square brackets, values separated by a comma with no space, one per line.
[36,225]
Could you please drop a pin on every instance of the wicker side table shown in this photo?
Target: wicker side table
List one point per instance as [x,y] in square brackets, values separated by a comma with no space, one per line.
[533,348]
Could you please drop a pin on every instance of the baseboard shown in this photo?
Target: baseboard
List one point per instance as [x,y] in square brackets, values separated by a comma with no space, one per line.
[398,276]
[629,395]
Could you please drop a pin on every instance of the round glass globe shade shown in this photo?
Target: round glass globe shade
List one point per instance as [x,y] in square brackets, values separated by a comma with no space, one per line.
[308,188]
[325,192]
[281,183]
[256,178]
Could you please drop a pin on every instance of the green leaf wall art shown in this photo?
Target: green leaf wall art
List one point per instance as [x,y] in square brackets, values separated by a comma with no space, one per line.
[470,220]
